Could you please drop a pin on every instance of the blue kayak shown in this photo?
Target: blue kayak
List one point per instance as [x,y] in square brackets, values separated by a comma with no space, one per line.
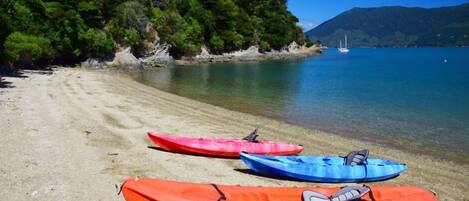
[322,168]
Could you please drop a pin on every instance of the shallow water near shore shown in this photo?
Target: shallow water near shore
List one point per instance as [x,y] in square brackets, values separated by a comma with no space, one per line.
[416,99]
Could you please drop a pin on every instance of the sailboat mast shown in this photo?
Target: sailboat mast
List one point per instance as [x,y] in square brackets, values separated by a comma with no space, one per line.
[340,44]
[345,41]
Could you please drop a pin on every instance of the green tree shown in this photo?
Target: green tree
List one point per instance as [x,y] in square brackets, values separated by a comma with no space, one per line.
[63,23]
[128,24]
[233,40]
[216,44]
[90,11]
[5,26]
[71,30]
[188,39]
[96,42]
[19,46]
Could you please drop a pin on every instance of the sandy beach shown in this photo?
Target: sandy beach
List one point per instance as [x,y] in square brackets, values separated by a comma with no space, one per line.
[74,134]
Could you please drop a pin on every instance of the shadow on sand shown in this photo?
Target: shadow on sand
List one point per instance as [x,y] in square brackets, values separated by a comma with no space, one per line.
[21,75]
[161,149]
[4,84]
[251,172]
[14,74]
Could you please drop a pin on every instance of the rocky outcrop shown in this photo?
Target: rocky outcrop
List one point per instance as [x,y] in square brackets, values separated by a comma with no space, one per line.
[251,54]
[156,53]
[204,53]
[158,56]
[125,58]
[252,51]
[294,48]
[92,63]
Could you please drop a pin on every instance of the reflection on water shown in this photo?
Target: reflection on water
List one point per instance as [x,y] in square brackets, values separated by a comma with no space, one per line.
[247,87]
[409,98]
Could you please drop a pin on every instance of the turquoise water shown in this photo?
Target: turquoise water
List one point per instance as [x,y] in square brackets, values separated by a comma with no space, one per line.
[406,98]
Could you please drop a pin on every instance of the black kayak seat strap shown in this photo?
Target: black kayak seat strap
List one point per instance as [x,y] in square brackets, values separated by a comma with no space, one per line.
[372,197]
[222,195]
[120,188]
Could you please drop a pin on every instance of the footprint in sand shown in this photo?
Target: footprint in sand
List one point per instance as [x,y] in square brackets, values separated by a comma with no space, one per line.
[121,120]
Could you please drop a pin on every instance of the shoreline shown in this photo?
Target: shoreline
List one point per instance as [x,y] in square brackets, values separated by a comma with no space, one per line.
[83,118]
[161,58]
[401,143]
[252,54]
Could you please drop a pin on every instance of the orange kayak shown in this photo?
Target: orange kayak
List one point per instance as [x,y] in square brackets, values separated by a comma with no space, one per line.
[145,189]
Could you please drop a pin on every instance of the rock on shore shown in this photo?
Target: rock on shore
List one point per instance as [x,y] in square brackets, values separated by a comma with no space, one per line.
[125,58]
[159,56]
[251,54]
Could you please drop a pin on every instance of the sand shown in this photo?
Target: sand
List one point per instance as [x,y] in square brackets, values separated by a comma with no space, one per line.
[74,134]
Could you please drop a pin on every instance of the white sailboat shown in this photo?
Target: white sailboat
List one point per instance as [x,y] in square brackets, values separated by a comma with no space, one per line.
[343,49]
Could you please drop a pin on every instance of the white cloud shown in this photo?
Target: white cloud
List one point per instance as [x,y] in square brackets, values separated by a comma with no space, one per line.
[307,25]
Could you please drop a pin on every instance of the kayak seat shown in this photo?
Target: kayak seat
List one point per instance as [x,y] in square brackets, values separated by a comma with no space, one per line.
[356,157]
[314,196]
[347,193]
[252,136]
[350,193]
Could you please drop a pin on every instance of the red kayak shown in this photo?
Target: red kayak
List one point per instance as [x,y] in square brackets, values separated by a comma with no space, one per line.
[221,147]
[162,190]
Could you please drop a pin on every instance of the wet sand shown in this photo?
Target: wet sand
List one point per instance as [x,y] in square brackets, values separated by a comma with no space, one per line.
[74,134]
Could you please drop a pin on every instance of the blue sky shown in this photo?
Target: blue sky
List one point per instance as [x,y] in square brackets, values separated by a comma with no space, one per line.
[313,12]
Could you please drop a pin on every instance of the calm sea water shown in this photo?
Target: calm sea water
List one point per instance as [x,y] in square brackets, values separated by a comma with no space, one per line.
[416,99]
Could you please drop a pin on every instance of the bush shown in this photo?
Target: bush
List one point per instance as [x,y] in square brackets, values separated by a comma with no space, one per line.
[264,46]
[188,39]
[157,17]
[91,13]
[233,40]
[129,24]
[216,43]
[17,45]
[96,42]
[132,38]
[131,14]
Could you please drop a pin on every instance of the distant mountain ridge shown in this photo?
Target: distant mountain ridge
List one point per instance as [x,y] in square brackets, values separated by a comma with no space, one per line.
[396,26]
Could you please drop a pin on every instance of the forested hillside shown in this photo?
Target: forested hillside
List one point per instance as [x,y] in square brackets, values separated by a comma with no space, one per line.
[68,31]
[397,27]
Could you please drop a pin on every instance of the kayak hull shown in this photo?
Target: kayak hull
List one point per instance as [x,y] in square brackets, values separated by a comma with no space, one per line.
[322,169]
[161,190]
[229,148]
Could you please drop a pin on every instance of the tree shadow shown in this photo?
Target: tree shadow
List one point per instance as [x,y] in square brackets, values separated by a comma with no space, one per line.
[5,84]
[45,71]
[21,75]
[14,74]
